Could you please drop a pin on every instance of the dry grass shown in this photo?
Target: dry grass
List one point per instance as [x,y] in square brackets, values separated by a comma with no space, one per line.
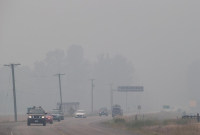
[10,118]
[163,123]
[190,129]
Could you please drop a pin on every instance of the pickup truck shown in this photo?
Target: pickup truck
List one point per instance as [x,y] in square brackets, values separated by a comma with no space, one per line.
[116,110]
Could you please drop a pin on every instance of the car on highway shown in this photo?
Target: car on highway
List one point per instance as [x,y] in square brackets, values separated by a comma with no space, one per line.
[36,115]
[49,118]
[80,114]
[57,115]
[116,110]
[103,111]
[61,114]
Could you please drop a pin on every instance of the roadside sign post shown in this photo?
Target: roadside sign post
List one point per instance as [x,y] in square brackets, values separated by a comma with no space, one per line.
[139,108]
[130,89]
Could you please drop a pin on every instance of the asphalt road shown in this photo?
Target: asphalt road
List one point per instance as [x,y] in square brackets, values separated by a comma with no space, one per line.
[70,126]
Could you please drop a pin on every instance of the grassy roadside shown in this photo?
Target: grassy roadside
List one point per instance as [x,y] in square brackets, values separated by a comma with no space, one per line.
[8,121]
[11,119]
[163,123]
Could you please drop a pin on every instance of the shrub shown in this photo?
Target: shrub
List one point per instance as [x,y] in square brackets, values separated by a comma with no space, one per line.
[140,123]
[176,121]
[119,120]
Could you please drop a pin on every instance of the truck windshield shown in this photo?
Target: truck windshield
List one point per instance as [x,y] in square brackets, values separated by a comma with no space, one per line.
[116,110]
[37,111]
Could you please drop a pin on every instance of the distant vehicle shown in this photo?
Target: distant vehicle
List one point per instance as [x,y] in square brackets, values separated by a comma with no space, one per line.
[103,111]
[80,114]
[116,110]
[57,115]
[36,115]
[61,114]
[49,118]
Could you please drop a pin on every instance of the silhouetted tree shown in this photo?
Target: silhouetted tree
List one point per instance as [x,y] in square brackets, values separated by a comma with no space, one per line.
[106,70]
[76,69]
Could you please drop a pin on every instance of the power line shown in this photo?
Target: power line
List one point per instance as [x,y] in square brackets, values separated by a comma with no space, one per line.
[33,93]
[7,92]
[32,86]
[37,75]
[9,103]
[44,76]
[5,103]
[36,94]
[29,74]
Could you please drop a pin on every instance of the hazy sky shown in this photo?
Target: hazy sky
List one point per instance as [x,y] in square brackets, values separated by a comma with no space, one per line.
[161,38]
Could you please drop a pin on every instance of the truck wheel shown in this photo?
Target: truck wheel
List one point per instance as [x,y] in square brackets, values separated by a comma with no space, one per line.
[44,124]
[28,123]
[58,120]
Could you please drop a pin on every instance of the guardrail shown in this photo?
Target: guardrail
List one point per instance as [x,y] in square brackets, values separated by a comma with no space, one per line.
[192,117]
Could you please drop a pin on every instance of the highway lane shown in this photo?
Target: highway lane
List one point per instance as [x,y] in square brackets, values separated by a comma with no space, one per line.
[6,128]
[34,129]
[70,126]
[21,128]
[89,126]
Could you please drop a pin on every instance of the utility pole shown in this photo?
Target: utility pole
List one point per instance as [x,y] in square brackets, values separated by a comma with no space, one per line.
[14,92]
[126,101]
[60,89]
[92,95]
[111,95]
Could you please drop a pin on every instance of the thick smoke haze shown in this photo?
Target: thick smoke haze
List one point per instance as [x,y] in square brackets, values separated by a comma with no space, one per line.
[150,43]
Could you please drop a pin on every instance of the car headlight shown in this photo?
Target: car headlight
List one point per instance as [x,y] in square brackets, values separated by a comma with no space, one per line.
[29,116]
[43,117]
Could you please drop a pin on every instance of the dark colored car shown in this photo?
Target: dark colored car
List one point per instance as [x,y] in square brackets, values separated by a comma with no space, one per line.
[37,116]
[49,118]
[57,115]
[103,111]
